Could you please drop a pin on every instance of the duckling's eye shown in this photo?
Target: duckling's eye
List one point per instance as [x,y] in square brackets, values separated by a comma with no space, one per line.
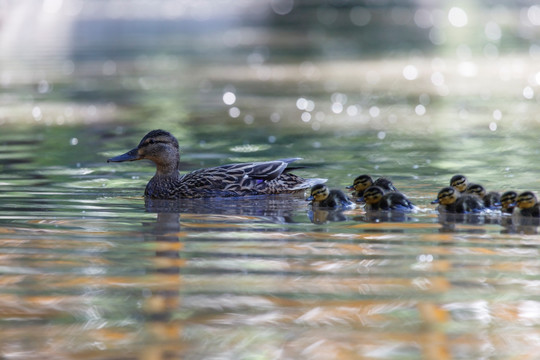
[151,141]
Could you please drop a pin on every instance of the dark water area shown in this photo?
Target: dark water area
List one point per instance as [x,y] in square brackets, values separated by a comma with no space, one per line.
[415,92]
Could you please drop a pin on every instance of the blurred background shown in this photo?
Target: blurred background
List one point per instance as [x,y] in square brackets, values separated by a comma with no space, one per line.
[434,72]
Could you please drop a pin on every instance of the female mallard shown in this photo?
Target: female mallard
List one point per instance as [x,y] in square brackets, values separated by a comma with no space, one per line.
[255,178]
[323,197]
[527,204]
[362,182]
[451,201]
[377,199]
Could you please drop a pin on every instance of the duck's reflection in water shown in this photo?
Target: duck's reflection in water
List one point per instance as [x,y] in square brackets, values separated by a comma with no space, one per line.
[266,208]
[454,222]
[517,224]
[165,230]
[322,216]
[377,216]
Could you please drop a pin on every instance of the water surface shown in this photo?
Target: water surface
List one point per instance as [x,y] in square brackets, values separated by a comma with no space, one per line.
[90,270]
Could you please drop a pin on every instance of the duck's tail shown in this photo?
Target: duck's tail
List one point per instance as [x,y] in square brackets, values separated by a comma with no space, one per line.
[308,183]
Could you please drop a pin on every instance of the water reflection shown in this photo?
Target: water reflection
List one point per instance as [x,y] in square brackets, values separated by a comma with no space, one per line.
[323,216]
[274,209]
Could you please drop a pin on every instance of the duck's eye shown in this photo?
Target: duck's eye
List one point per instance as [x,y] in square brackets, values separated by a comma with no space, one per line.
[151,141]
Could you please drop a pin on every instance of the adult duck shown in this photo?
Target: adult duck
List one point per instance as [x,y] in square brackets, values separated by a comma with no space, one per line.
[241,179]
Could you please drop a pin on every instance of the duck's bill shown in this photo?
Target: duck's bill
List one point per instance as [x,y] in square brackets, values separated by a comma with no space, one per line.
[310,198]
[131,155]
[350,187]
[436,201]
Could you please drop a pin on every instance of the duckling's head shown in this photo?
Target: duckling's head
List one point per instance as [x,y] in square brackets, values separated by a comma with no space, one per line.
[373,194]
[158,146]
[526,200]
[447,196]
[508,199]
[459,182]
[319,192]
[476,189]
[361,183]
[385,184]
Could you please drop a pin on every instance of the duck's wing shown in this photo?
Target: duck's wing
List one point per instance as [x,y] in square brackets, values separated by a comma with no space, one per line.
[240,175]
[262,170]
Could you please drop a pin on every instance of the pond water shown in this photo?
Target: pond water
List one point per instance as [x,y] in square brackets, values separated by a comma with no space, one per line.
[90,270]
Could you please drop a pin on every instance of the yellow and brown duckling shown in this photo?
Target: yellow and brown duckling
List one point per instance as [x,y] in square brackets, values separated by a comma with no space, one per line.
[253,178]
[321,196]
[459,182]
[475,189]
[450,200]
[362,182]
[377,199]
[491,200]
[527,205]
[508,201]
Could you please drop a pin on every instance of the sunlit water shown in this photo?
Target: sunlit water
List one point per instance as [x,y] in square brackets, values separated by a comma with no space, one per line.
[90,270]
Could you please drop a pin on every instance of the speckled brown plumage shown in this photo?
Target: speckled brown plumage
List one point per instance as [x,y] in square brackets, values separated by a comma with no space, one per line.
[255,178]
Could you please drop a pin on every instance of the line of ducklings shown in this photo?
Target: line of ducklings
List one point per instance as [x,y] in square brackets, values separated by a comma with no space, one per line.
[460,197]
[380,194]
[464,197]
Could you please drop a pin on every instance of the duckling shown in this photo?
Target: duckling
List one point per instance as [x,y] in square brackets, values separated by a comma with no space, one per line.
[451,201]
[527,205]
[323,197]
[385,184]
[253,178]
[459,182]
[476,189]
[362,182]
[508,201]
[492,200]
[377,199]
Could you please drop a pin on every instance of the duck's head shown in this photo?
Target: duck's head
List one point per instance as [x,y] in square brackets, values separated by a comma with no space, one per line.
[476,189]
[361,183]
[459,182]
[508,199]
[319,192]
[373,194]
[447,196]
[158,146]
[526,200]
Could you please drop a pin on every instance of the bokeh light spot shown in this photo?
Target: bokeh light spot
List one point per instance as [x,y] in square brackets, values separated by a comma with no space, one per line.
[457,17]
[282,7]
[410,72]
[229,98]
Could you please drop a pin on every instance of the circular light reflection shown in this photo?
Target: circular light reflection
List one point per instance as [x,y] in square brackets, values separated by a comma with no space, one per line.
[229,98]
[457,17]
[360,16]
[410,72]
[234,112]
[528,92]
[282,7]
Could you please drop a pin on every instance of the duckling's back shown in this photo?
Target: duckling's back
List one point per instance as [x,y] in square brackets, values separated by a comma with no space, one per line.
[468,204]
[395,201]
